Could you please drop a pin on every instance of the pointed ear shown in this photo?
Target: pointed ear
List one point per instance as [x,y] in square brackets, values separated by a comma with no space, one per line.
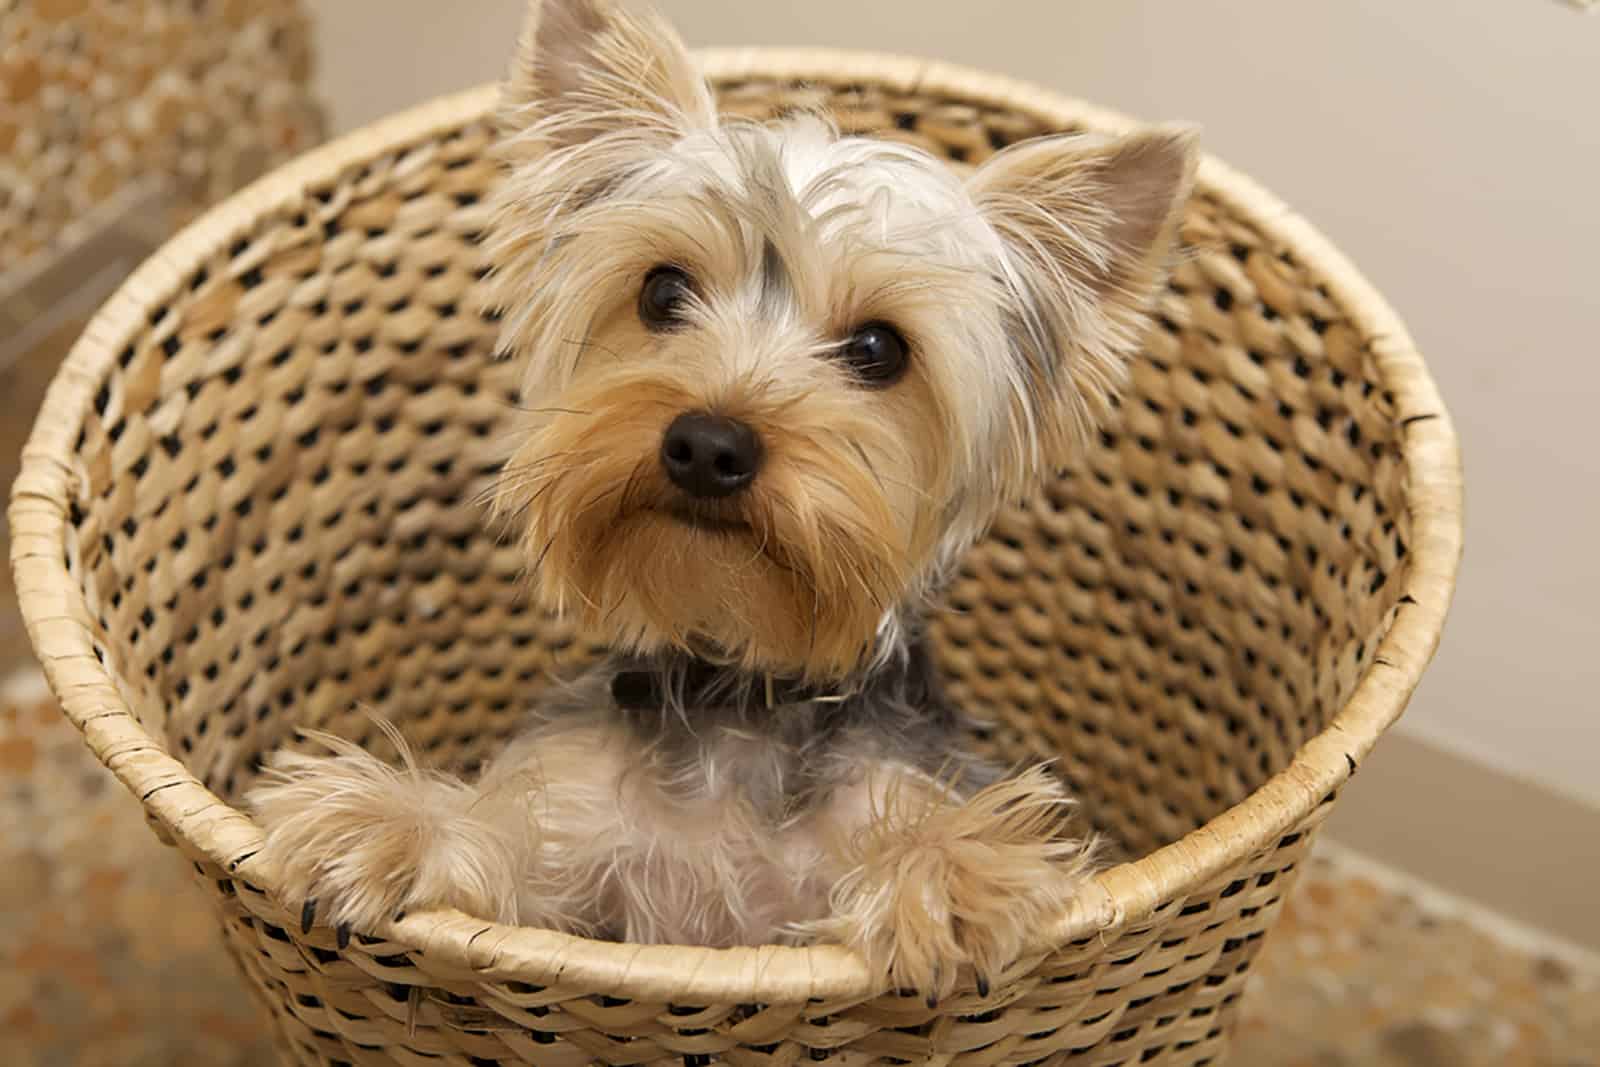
[588,67]
[1106,212]
[1089,227]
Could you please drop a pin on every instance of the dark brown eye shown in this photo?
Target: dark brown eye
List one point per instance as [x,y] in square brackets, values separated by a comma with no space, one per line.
[661,301]
[877,353]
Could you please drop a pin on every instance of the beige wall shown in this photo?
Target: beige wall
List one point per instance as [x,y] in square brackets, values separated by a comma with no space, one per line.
[1450,146]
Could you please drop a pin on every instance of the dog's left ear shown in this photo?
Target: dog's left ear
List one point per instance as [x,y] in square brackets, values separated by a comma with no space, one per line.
[588,67]
[1089,226]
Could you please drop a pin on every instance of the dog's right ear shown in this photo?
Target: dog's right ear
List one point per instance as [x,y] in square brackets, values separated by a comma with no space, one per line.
[585,68]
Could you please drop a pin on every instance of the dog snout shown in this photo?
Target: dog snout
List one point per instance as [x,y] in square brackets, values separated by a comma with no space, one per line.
[710,456]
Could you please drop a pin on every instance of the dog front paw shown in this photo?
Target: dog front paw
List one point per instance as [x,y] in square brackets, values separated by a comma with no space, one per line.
[944,885]
[359,842]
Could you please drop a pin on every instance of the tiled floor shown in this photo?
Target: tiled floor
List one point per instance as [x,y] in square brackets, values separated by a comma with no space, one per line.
[108,957]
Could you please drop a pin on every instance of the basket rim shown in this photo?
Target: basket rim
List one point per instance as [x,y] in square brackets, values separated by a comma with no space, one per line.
[59,620]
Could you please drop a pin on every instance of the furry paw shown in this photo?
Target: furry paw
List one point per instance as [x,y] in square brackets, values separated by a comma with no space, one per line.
[360,841]
[941,884]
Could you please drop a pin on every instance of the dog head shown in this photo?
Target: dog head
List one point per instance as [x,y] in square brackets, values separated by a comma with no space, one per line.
[778,379]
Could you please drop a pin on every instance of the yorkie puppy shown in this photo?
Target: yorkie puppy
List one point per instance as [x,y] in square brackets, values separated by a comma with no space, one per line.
[778,380]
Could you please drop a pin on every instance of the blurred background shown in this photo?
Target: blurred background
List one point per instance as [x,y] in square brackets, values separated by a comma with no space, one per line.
[1449,147]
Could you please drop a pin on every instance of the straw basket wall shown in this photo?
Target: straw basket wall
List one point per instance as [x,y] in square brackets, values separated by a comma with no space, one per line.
[247,507]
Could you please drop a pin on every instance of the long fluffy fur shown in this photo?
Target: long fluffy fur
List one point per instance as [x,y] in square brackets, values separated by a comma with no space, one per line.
[589,825]
[372,841]
[824,814]
[935,882]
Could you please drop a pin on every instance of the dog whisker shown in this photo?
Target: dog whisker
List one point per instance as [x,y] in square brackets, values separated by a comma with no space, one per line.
[538,562]
[536,464]
[549,410]
[583,347]
[886,480]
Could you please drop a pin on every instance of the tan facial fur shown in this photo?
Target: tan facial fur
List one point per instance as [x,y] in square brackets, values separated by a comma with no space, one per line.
[1015,289]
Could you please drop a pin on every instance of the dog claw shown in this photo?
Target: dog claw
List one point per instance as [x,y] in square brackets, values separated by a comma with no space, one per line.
[933,1001]
[308,915]
[341,935]
[983,984]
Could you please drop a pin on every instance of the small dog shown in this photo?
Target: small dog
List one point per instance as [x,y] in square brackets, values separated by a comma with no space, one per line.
[779,380]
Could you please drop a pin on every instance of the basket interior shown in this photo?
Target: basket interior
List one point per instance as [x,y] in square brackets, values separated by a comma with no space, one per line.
[277,519]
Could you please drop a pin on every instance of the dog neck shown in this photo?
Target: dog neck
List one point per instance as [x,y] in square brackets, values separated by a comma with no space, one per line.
[689,681]
[682,705]
[678,680]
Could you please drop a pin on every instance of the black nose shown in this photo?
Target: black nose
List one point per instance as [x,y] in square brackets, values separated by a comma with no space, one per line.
[709,455]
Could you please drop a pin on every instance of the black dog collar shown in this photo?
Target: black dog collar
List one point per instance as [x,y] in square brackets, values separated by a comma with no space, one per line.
[703,684]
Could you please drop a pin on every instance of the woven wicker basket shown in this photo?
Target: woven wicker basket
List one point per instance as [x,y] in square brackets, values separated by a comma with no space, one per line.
[248,505]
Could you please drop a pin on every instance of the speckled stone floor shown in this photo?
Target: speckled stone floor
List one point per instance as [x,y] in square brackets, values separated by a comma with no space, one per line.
[108,957]
[1363,973]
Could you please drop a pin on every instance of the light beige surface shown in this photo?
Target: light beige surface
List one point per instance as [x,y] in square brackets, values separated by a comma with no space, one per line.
[1489,837]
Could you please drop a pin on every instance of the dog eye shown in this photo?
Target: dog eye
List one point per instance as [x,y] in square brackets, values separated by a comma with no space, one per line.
[661,301]
[877,353]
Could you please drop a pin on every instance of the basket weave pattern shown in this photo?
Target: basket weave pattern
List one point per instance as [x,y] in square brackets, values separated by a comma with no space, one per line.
[249,506]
